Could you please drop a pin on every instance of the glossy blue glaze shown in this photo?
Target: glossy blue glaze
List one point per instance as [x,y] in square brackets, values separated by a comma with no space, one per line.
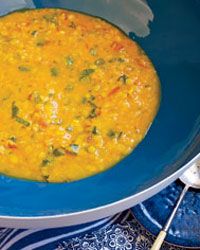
[185,228]
[174,47]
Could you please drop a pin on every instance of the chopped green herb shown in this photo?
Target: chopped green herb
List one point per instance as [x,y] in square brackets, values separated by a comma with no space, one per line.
[92,113]
[40,42]
[93,52]
[54,71]
[95,130]
[15,110]
[119,59]
[92,98]
[123,78]
[22,121]
[86,73]
[92,104]
[69,61]
[45,178]
[120,135]
[34,32]
[74,148]
[50,18]
[99,62]
[23,68]
[58,152]
[72,25]
[46,162]
[13,139]
[111,133]
[84,100]
[69,87]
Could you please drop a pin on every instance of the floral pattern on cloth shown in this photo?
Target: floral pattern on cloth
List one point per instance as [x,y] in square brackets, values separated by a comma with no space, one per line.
[129,235]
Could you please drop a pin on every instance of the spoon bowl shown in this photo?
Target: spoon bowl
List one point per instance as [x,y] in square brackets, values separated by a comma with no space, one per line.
[191,177]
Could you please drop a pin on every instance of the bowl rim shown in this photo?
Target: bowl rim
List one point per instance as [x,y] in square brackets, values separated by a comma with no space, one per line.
[75,218]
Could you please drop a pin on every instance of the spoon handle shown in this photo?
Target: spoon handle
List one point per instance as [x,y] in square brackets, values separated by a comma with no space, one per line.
[160,238]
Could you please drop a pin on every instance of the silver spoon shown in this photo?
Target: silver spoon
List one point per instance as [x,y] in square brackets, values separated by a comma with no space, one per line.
[191,178]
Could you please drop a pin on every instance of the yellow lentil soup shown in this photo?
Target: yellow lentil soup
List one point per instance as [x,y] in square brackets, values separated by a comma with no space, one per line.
[77,95]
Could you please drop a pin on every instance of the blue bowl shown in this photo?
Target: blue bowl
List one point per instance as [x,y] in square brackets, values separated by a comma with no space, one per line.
[172,41]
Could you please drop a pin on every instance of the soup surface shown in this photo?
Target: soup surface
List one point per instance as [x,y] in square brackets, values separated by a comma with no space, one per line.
[77,95]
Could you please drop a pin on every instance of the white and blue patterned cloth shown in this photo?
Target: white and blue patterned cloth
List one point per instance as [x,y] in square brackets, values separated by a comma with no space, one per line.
[120,232]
